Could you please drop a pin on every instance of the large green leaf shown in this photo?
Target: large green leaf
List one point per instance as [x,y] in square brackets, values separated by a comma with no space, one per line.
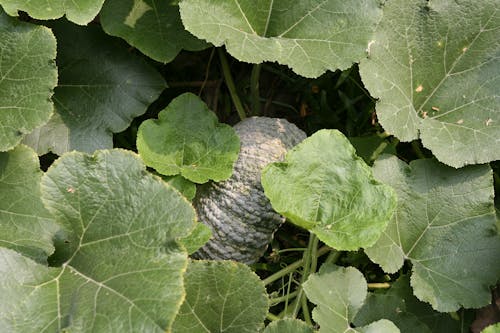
[28,76]
[339,292]
[121,269]
[102,87]
[25,225]
[445,225]
[187,139]
[200,235]
[323,186]
[495,328]
[309,36]
[186,187]
[80,12]
[222,296]
[434,67]
[288,325]
[400,306]
[153,26]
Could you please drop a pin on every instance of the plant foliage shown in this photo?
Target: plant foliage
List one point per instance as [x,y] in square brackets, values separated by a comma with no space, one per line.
[113,114]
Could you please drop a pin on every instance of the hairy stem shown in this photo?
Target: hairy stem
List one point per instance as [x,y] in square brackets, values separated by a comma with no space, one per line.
[313,241]
[292,267]
[230,84]
[287,297]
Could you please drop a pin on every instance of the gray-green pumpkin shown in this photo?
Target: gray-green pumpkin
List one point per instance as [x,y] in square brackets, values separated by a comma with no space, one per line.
[239,214]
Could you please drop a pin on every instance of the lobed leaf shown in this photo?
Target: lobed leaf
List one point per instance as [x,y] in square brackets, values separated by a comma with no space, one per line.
[153,26]
[25,225]
[324,187]
[222,296]
[187,139]
[121,268]
[81,11]
[339,292]
[399,305]
[309,36]
[102,87]
[28,76]
[434,67]
[445,225]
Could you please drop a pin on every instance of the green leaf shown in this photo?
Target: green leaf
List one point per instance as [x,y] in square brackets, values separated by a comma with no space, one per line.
[81,11]
[25,225]
[288,325]
[28,76]
[445,225]
[434,67]
[309,36]
[121,268]
[222,296]
[400,306]
[186,187]
[153,26]
[339,292]
[187,139]
[492,329]
[197,238]
[324,187]
[102,87]
[370,147]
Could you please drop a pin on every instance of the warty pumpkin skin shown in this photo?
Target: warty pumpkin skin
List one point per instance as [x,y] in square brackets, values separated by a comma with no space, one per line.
[239,214]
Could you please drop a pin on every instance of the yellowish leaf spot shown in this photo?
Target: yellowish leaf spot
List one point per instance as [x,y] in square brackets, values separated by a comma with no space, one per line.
[369,46]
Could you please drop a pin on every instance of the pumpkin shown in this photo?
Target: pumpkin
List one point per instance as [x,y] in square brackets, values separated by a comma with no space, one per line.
[237,211]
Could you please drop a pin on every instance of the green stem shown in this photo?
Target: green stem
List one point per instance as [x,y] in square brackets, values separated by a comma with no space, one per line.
[305,273]
[292,267]
[272,317]
[314,255]
[254,89]
[333,257]
[376,153]
[382,285]
[305,311]
[277,300]
[230,84]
